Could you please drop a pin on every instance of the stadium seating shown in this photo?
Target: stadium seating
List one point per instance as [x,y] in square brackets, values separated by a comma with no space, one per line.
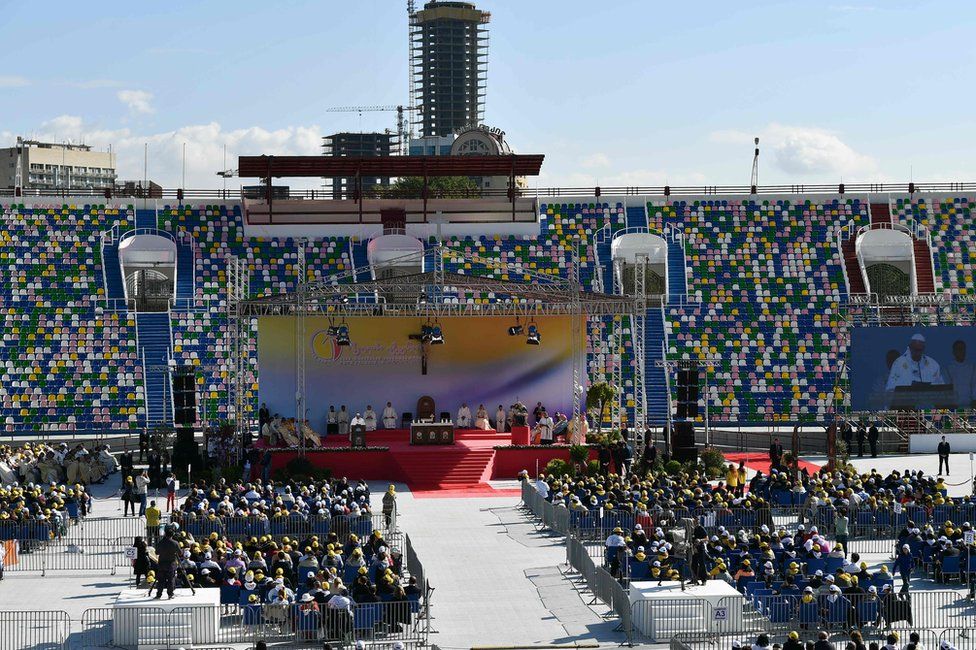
[949,222]
[65,363]
[765,285]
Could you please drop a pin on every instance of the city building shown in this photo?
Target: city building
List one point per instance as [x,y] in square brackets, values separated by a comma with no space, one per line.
[31,164]
[448,66]
[364,145]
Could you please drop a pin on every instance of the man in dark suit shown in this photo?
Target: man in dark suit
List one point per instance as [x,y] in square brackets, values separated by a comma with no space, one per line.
[775,454]
[944,451]
[873,435]
[861,435]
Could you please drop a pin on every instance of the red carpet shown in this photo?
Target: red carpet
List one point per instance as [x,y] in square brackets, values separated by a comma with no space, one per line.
[480,490]
[760,462]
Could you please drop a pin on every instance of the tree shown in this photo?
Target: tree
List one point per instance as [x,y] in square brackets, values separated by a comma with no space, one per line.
[437,187]
[599,396]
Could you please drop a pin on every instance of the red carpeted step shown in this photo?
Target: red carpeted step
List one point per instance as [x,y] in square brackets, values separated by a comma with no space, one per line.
[445,467]
[880,213]
[855,281]
[923,267]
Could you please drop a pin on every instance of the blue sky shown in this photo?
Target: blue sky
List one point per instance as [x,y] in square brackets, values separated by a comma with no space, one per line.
[615,93]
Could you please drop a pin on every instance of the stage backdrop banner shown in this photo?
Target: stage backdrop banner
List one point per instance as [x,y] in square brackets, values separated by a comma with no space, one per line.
[912,367]
[479,363]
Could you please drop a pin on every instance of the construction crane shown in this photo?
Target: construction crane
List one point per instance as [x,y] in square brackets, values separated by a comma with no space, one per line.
[402,125]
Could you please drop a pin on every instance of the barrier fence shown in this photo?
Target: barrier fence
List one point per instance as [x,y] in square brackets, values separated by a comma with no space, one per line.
[66,555]
[236,528]
[302,624]
[35,629]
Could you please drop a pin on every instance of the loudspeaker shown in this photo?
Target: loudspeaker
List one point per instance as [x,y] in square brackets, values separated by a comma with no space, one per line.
[682,394]
[683,435]
[681,410]
[685,454]
[184,396]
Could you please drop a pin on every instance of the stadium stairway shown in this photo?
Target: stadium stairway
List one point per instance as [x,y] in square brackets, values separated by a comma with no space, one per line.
[855,281]
[924,277]
[446,468]
[146,218]
[603,252]
[654,381]
[154,347]
[677,287]
[113,271]
[880,213]
[636,216]
[184,272]
[357,251]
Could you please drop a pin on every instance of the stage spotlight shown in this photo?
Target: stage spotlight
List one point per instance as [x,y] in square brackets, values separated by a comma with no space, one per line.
[515,330]
[342,335]
[426,332]
[332,331]
[533,338]
[436,335]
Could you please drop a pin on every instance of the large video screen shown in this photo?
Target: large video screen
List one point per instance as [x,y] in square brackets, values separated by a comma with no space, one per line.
[912,368]
[479,363]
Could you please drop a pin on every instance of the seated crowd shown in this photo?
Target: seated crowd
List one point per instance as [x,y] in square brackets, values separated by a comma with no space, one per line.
[293,579]
[42,463]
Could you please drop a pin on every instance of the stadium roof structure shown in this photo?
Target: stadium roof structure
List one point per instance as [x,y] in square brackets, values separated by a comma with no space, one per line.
[422,166]
[438,293]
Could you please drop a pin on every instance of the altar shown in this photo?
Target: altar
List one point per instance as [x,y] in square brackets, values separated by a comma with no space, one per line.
[432,433]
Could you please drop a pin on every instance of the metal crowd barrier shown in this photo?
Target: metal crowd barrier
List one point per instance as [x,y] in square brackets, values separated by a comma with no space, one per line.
[374,623]
[68,555]
[236,528]
[34,629]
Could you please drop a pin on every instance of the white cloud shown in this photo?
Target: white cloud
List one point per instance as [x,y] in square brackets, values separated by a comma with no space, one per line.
[618,178]
[137,101]
[804,151]
[595,160]
[13,81]
[204,149]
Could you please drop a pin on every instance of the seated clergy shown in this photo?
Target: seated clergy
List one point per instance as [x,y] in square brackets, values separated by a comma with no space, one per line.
[389,416]
[464,417]
[370,417]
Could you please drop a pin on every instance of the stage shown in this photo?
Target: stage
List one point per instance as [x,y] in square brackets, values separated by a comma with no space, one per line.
[470,462]
[186,619]
[661,611]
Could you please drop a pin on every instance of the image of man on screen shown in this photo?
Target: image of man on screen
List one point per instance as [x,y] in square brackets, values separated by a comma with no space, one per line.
[960,373]
[914,367]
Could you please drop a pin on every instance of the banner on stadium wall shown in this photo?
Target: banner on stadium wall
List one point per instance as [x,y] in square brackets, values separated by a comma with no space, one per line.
[479,363]
[912,367]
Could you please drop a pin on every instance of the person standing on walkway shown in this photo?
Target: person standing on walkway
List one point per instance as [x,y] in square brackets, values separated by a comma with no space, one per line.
[170,492]
[129,495]
[389,504]
[153,516]
[142,491]
[861,435]
[873,435]
[944,451]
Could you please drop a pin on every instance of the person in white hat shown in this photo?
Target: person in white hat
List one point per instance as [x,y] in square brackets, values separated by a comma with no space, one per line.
[914,366]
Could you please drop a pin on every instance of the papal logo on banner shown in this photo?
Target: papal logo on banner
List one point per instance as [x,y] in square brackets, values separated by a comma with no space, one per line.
[325,348]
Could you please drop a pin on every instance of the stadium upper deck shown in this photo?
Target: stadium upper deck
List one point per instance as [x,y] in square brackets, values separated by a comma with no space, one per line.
[762,285]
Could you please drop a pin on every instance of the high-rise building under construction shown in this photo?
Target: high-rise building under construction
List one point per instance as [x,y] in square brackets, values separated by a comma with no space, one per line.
[448,63]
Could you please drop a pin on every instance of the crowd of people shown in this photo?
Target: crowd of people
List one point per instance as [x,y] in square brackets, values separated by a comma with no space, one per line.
[43,463]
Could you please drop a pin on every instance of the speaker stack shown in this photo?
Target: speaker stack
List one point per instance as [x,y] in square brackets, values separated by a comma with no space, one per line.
[185,451]
[686,406]
[184,396]
[683,442]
